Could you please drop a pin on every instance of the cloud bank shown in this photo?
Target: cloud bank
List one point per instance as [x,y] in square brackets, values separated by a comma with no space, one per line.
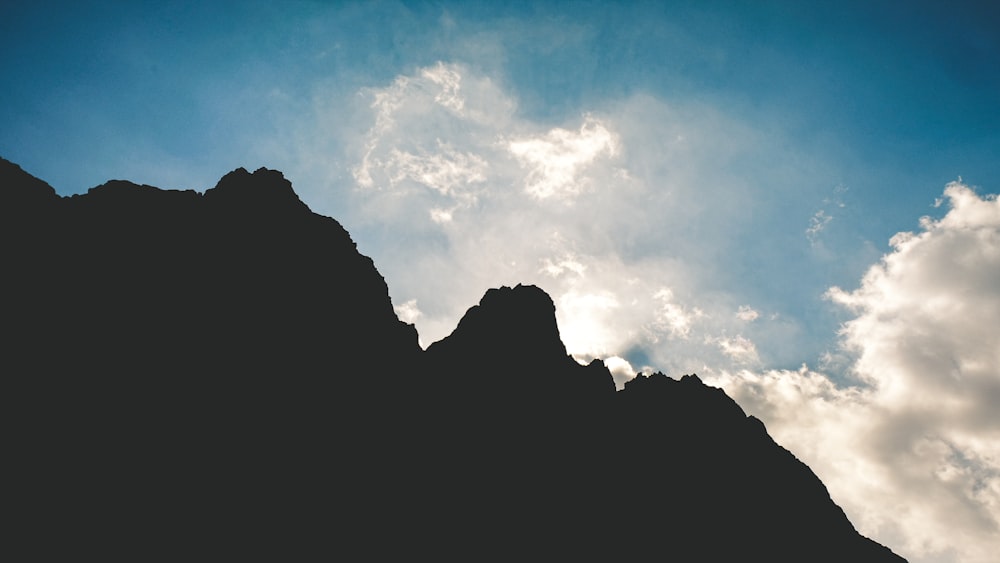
[912,450]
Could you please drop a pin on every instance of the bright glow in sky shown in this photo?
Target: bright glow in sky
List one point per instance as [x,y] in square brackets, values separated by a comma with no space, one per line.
[791,201]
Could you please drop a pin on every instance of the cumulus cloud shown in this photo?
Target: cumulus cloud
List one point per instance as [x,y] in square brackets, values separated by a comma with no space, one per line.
[912,449]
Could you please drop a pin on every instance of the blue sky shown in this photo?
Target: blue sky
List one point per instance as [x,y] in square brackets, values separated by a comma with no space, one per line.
[705,187]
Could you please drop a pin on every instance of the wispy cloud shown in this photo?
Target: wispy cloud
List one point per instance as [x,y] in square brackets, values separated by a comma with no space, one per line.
[556,159]
[817,223]
[445,170]
[834,208]
[747,313]
[568,264]
[672,317]
[415,138]
[450,82]
[739,348]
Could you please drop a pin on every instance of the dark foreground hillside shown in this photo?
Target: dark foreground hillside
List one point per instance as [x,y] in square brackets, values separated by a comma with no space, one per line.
[218,375]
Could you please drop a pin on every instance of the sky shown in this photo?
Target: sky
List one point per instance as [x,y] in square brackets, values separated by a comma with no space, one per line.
[794,200]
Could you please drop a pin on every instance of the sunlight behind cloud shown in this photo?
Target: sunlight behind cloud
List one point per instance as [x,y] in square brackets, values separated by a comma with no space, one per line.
[585,322]
[621,370]
[605,212]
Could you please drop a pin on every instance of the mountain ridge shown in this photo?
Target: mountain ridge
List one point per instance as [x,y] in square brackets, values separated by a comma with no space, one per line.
[236,348]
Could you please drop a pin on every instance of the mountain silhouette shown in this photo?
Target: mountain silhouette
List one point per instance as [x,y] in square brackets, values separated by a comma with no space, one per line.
[222,374]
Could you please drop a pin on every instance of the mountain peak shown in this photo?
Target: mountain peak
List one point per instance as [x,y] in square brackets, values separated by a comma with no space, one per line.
[524,313]
[508,320]
[511,340]
[263,191]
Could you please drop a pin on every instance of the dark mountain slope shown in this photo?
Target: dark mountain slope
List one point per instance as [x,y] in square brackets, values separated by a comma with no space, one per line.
[146,280]
[222,374]
[177,362]
[662,467]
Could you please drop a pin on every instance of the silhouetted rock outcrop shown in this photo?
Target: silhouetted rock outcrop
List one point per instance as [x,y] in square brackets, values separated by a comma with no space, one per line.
[513,331]
[226,369]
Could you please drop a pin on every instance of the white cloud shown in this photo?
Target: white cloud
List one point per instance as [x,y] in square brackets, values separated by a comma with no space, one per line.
[820,221]
[408,311]
[621,370]
[586,322]
[441,216]
[568,263]
[673,317]
[912,453]
[446,171]
[450,81]
[385,102]
[747,313]
[817,223]
[556,159]
[417,120]
[604,211]
[739,348]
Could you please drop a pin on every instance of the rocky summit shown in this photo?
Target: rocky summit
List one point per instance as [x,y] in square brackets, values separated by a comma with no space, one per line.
[221,374]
